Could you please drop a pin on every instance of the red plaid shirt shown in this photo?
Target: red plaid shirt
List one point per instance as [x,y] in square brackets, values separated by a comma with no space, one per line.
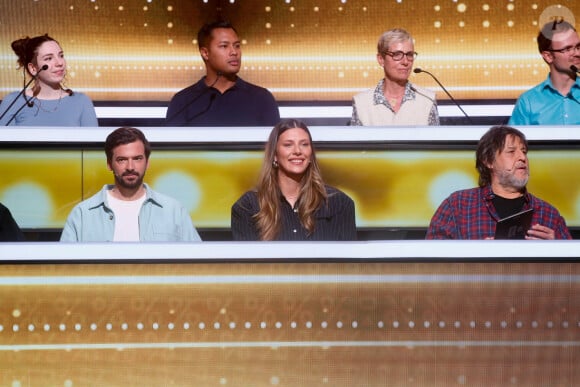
[470,214]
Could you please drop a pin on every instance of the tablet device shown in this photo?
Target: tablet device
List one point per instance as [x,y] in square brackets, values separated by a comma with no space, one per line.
[514,226]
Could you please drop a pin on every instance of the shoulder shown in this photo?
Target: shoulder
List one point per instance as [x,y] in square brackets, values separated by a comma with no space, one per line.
[534,91]
[251,87]
[183,93]
[540,204]
[464,195]
[94,201]
[365,94]
[248,201]
[4,212]
[336,196]
[10,97]
[79,97]
[163,200]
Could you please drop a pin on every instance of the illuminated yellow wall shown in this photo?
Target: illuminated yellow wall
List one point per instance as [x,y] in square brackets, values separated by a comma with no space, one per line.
[390,188]
[300,50]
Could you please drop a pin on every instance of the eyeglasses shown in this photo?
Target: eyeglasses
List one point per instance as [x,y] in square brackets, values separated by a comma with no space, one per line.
[566,50]
[398,55]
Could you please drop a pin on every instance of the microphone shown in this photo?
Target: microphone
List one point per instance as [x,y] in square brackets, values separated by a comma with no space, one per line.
[420,70]
[168,120]
[29,102]
[574,69]
[211,99]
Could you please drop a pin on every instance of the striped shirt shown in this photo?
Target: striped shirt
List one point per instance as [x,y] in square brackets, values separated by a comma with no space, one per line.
[335,221]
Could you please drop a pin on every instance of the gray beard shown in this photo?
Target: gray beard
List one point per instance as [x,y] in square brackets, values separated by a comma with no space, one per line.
[509,180]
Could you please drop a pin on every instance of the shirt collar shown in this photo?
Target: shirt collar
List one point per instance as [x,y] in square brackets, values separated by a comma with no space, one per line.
[379,97]
[488,194]
[574,91]
[150,196]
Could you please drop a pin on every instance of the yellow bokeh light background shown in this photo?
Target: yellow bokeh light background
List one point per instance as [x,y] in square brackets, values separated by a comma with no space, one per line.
[390,188]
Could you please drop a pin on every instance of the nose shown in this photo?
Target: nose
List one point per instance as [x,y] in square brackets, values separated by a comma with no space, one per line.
[406,61]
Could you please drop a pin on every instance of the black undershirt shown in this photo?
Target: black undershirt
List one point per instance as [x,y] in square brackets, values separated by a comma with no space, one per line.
[506,207]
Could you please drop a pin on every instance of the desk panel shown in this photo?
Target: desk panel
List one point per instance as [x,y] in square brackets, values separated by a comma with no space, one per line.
[213,315]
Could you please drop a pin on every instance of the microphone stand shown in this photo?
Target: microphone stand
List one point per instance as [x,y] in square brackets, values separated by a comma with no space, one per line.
[419,70]
[211,99]
[169,119]
[28,102]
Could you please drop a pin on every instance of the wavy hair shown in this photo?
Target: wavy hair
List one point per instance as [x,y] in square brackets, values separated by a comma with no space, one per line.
[312,192]
[489,145]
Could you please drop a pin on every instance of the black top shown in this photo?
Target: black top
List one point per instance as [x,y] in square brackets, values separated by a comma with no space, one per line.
[244,104]
[9,230]
[506,207]
[334,221]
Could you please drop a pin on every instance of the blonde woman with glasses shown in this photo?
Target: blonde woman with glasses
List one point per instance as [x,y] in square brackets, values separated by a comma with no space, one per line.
[395,100]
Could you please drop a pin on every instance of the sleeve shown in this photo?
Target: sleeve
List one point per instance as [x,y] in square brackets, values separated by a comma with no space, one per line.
[434,115]
[347,221]
[551,217]
[561,230]
[6,111]
[172,110]
[520,115]
[9,230]
[188,230]
[271,113]
[442,225]
[242,223]
[88,114]
[354,120]
[70,231]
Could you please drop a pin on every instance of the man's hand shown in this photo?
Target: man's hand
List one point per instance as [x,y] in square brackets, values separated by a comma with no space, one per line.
[540,232]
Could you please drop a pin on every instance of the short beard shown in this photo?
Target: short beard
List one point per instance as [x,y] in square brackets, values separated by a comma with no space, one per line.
[122,183]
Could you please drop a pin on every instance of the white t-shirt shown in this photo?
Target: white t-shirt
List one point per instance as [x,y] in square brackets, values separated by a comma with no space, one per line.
[126,218]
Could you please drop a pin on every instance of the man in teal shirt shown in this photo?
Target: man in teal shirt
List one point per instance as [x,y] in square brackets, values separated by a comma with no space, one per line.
[556,101]
[129,211]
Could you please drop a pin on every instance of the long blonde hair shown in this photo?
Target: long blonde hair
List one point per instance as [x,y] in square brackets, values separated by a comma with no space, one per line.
[312,192]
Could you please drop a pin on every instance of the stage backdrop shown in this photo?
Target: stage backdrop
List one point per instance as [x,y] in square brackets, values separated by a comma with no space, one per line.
[301,50]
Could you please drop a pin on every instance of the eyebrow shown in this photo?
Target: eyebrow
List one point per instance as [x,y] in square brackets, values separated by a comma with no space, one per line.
[51,54]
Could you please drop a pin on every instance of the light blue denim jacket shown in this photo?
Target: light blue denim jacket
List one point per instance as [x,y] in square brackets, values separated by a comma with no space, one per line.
[161,219]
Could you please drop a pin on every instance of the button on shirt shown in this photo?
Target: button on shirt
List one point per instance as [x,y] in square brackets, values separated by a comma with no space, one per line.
[544,105]
[161,219]
[470,214]
[414,100]
[334,222]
